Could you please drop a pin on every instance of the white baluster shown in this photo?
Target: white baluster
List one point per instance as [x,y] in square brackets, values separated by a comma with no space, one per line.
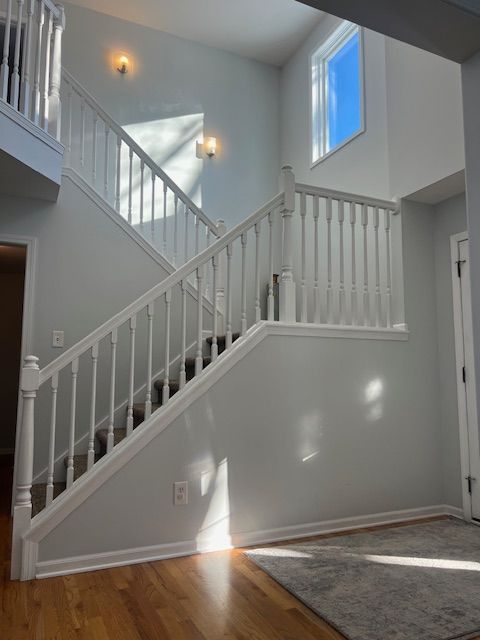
[316,265]
[68,146]
[243,317]
[303,286]
[15,77]
[258,312]
[152,217]
[353,291]
[214,347]
[206,290]
[378,296]
[166,376]
[131,375]
[228,335]
[183,376]
[54,104]
[185,252]
[175,231]
[130,184]
[142,177]
[113,368]
[46,77]
[106,162]
[387,220]
[199,351]
[23,499]
[119,174]
[4,68]
[38,61]
[82,133]
[270,298]
[26,61]
[94,147]
[329,263]
[51,446]
[287,283]
[221,230]
[366,293]
[165,189]
[93,407]
[197,234]
[148,394]
[341,293]
[71,437]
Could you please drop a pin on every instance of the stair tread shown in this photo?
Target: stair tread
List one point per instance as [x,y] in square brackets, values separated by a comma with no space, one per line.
[80,463]
[39,495]
[222,339]
[119,434]
[139,408]
[174,385]
[190,362]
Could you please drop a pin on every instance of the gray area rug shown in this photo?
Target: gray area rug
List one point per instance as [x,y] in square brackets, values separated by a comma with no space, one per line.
[418,582]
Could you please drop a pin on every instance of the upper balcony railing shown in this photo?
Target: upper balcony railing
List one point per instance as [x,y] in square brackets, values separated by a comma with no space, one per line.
[30,71]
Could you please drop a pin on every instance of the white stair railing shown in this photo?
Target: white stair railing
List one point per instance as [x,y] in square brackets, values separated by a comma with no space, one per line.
[163,322]
[30,68]
[126,177]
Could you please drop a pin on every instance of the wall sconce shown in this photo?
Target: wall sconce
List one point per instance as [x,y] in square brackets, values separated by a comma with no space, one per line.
[208,147]
[122,63]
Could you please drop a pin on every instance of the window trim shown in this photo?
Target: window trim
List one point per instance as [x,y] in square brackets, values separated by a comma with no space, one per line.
[319,56]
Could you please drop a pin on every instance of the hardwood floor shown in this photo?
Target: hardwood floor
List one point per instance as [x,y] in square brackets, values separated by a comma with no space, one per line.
[209,597]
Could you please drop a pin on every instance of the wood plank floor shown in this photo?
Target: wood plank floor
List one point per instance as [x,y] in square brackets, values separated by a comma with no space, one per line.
[209,597]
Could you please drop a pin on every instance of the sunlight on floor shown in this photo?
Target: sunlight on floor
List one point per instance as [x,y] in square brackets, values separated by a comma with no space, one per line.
[428,563]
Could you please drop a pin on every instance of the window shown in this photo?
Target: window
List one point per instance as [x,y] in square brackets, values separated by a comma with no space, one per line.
[337,91]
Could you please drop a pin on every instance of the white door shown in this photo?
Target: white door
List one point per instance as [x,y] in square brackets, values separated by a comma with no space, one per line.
[467,405]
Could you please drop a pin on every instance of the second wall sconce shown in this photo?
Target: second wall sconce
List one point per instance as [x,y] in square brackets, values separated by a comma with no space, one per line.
[122,63]
[209,147]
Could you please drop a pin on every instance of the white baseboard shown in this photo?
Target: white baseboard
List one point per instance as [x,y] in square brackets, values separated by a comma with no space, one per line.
[109,559]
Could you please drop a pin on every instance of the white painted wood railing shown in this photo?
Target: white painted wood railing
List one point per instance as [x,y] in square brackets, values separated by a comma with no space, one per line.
[126,177]
[30,68]
[114,368]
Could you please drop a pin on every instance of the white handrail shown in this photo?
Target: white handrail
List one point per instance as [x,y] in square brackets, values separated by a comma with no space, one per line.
[346,197]
[130,142]
[155,292]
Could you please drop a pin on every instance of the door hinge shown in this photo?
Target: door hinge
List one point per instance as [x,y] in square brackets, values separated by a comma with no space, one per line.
[459,267]
[469,479]
[464,375]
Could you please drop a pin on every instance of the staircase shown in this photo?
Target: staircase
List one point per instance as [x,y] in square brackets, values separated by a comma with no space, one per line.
[80,462]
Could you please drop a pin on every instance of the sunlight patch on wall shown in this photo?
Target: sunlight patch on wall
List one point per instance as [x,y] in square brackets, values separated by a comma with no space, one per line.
[214,532]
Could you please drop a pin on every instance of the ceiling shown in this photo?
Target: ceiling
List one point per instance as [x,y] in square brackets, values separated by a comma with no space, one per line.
[266,30]
[449,28]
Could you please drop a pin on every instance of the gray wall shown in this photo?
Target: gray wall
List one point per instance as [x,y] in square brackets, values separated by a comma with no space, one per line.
[363,436]
[450,218]
[172,77]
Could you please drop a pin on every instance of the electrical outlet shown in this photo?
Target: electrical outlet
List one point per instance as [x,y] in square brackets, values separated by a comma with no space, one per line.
[180,493]
[58,338]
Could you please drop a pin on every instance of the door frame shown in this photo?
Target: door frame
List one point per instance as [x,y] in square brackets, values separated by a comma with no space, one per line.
[467,403]
[30,244]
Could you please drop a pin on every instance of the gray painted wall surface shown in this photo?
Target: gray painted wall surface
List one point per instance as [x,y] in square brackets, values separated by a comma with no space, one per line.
[450,218]
[367,414]
[173,77]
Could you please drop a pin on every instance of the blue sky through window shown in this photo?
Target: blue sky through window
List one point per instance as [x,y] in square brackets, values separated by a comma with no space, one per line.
[343,101]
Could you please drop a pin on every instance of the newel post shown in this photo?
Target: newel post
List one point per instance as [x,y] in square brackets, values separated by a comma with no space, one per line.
[287,302]
[222,229]
[54,105]
[22,513]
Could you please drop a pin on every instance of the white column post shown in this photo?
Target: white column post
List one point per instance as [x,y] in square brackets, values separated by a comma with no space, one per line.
[287,283]
[54,105]
[221,228]
[22,512]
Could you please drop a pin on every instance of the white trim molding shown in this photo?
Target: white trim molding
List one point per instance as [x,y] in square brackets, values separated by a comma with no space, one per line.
[109,559]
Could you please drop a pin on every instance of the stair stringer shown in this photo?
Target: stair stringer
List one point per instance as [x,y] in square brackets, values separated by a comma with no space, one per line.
[51,517]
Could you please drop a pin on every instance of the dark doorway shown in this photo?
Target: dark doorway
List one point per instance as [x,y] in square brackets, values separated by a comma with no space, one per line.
[12,284]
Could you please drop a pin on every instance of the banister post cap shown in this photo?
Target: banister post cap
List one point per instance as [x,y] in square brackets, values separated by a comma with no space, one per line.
[30,380]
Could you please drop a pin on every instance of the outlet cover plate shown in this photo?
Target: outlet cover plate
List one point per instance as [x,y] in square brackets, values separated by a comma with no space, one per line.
[180,493]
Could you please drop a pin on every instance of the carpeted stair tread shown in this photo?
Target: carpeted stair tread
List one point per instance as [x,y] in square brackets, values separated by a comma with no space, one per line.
[102,436]
[139,410]
[190,362]
[174,386]
[221,339]
[39,495]
[79,464]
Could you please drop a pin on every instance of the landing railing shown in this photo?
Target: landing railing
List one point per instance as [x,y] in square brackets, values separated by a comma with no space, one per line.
[30,69]
[121,172]
[153,337]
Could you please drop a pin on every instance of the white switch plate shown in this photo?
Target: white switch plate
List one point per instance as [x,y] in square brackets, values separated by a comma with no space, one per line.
[58,338]
[180,493]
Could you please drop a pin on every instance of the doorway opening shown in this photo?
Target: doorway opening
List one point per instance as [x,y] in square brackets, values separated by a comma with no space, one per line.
[466,389]
[13,262]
